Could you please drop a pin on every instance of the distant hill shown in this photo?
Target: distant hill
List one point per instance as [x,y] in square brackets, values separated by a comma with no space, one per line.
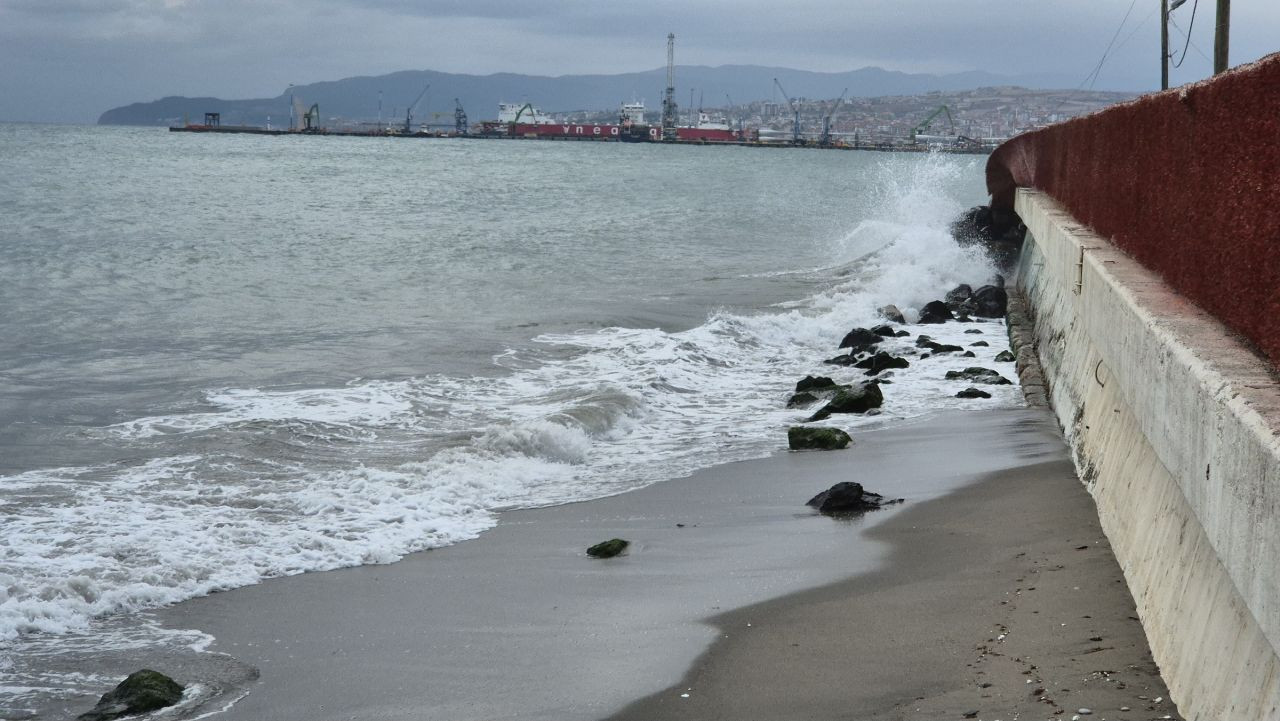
[357,98]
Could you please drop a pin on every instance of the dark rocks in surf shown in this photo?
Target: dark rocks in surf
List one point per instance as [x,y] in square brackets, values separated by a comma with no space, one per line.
[957,296]
[935,311]
[812,383]
[891,314]
[968,354]
[800,438]
[973,393]
[609,548]
[853,399]
[979,344]
[142,691]
[800,400]
[998,231]
[848,497]
[974,374]
[990,301]
[885,331]
[974,331]
[843,360]
[924,341]
[860,339]
[881,362]
[1005,357]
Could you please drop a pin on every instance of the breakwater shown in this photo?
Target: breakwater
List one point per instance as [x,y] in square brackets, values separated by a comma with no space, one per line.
[1154,300]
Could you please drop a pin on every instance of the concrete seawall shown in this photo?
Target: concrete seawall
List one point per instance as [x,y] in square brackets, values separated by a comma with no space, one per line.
[1174,424]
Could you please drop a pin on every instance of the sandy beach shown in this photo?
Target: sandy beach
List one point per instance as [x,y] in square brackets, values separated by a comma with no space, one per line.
[895,614]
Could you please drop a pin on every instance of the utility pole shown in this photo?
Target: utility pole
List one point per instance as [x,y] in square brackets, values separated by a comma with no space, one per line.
[1164,44]
[1220,36]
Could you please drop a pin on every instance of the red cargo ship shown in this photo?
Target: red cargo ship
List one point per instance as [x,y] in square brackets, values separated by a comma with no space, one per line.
[526,121]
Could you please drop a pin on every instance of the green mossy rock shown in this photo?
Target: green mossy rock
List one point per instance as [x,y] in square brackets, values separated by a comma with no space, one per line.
[608,549]
[1005,357]
[800,438]
[142,691]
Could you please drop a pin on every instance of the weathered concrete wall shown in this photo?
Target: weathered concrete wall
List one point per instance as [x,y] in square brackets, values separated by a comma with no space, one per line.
[1185,181]
[1175,428]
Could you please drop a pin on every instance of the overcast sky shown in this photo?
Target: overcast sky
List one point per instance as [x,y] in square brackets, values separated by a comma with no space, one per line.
[69,60]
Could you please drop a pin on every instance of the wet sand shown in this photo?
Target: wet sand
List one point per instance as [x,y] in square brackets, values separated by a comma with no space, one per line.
[844,624]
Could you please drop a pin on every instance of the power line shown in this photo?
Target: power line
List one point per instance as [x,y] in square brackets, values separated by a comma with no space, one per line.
[1193,45]
[1190,27]
[1092,77]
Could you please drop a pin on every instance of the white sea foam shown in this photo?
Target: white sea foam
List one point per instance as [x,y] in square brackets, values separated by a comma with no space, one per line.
[425,462]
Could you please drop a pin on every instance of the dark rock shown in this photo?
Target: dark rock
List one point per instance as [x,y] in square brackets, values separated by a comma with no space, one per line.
[854,399]
[974,330]
[891,313]
[801,399]
[800,438]
[968,354]
[990,302]
[925,341]
[902,334]
[972,393]
[1005,357]
[935,311]
[881,361]
[848,497]
[860,339]
[963,317]
[142,691]
[608,549]
[997,280]
[842,360]
[974,374]
[957,297]
[809,383]
[997,230]
[979,344]
[884,331]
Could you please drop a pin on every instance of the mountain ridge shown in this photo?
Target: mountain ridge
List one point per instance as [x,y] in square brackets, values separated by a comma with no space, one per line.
[357,97]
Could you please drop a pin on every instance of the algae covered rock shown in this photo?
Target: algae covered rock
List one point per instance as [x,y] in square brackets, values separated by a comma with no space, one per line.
[800,438]
[973,393]
[801,399]
[1005,357]
[609,548]
[142,691]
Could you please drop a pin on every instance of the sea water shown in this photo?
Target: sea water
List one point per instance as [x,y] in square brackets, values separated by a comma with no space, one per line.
[228,358]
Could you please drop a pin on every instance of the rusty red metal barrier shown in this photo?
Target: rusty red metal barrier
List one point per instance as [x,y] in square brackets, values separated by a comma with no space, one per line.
[1186,181]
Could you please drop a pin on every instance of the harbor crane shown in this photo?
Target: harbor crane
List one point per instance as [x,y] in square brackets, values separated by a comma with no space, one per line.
[669,95]
[825,140]
[929,121]
[459,118]
[311,119]
[408,114]
[795,115]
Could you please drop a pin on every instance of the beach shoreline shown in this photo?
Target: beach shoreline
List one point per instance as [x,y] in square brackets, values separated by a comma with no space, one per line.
[521,624]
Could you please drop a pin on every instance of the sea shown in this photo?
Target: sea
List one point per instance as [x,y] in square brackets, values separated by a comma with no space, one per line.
[226,358]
